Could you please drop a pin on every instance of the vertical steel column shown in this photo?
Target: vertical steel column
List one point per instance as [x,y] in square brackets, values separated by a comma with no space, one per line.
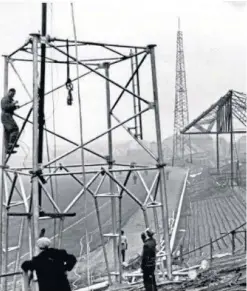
[6,243]
[119,233]
[163,196]
[41,115]
[231,133]
[60,232]
[145,215]
[110,161]
[156,217]
[134,91]
[35,182]
[3,212]
[139,94]
[102,239]
[217,152]
[18,256]
[217,139]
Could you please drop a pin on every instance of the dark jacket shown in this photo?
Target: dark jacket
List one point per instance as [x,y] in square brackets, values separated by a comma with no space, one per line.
[51,266]
[7,105]
[149,254]
[8,108]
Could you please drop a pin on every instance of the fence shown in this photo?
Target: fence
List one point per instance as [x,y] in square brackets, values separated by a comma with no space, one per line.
[232,233]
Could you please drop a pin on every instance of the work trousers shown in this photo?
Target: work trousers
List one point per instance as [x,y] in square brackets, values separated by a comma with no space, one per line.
[149,279]
[11,130]
[122,254]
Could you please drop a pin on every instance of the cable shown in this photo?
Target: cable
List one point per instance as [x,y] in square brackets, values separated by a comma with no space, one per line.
[81,140]
[53,120]
[25,152]
[51,183]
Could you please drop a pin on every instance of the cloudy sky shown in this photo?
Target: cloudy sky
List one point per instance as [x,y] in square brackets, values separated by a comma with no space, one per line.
[214,45]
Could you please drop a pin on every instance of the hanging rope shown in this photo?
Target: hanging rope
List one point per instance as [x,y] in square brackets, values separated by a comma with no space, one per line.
[69,84]
[53,117]
[82,150]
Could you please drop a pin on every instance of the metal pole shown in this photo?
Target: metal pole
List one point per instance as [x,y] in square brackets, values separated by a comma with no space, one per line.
[60,232]
[35,179]
[6,239]
[110,162]
[163,195]
[119,240]
[231,134]
[138,93]
[3,214]
[18,256]
[211,250]
[25,285]
[245,242]
[6,78]
[233,242]
[98,43]
[145,215]
[181,254]
[120,226]
[41,106]
[217,152]
[102,239]
[134,91]
[156,224]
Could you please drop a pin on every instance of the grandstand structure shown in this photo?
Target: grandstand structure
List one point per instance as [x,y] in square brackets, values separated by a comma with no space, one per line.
[225,116]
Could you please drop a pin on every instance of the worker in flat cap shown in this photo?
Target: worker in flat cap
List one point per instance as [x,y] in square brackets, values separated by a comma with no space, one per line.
[51,266]
[148,260]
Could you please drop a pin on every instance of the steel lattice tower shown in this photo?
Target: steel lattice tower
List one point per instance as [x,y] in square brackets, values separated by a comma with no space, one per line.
[181,112]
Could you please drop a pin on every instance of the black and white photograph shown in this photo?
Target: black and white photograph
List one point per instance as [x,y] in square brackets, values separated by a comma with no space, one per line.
[123,145]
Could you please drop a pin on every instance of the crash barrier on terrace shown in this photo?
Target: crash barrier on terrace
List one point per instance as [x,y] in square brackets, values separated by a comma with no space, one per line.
[233,233]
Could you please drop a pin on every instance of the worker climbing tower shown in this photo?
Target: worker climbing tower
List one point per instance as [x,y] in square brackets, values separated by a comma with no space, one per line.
[55,191]
[181,143]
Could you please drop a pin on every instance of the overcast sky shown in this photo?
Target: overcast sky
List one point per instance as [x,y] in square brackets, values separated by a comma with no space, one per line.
[214,45]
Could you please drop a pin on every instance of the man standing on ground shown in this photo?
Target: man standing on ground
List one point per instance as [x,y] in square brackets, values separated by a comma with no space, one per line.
[149,260]
[123,244]
[51,267]
[11,129]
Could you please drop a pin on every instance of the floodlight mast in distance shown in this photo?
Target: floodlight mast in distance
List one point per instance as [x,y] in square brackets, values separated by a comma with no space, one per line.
[39,173]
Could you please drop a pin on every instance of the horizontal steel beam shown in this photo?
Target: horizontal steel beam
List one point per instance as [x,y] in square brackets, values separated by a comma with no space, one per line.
[98,43]
[215,132]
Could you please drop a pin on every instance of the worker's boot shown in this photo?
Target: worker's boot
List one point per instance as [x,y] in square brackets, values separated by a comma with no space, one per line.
[17,146]
[9,150]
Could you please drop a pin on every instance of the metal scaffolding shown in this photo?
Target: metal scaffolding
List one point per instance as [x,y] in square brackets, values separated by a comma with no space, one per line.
[41,172]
